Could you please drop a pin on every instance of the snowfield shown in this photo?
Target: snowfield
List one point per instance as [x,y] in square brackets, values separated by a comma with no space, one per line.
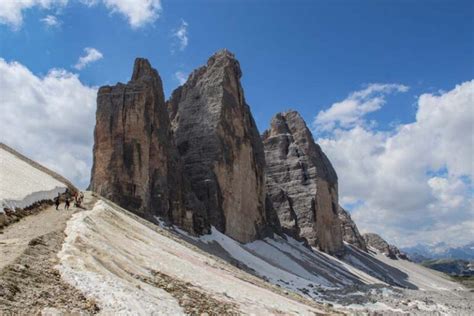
[21,184]
[105,248]
[109,252]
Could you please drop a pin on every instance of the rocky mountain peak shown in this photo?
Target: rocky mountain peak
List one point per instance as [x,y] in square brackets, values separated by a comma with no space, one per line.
[302,183]
[136,162]
[142,69]
[219,143]
[224,59]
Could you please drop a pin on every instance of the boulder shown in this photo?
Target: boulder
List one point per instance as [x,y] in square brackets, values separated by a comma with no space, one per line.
[302,183]
[220,146]
[135,160]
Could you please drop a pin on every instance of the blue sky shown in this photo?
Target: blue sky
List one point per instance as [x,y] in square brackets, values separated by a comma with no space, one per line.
[303,54]
[321,58]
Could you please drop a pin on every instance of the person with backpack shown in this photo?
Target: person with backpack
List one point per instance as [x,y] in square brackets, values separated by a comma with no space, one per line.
[66,207]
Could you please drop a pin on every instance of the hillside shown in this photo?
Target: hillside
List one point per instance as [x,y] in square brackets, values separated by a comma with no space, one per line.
[104,259]
[24,182]
[453,267]
[126,264]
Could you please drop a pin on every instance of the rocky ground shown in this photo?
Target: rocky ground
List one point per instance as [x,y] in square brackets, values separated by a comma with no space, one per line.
[387,300]
[44,219]
[29,282]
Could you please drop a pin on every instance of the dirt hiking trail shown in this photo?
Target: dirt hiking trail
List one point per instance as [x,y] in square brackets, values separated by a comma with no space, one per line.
[29,281]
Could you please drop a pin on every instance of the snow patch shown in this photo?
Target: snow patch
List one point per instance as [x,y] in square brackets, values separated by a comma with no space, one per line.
[22,184]
[107,281]
[104,247]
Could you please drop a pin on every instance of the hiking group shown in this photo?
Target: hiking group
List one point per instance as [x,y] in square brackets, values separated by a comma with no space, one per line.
[68,197]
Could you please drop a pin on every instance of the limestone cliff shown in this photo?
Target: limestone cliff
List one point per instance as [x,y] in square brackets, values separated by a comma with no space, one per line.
[302,183]
[350,232]
[221,148]
[136,162]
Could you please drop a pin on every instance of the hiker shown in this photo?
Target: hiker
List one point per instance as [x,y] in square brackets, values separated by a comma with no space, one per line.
[66,207]
[56,201]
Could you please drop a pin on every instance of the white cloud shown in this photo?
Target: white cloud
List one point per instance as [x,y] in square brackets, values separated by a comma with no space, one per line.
[414,183]
[11,11]
[137,12]
[350,111]
[50,118]
[51,21]
[181,77]
[91,55]
[181,34]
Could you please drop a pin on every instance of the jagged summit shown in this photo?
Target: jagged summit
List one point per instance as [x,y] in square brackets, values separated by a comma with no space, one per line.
[302,183]
[219,143]
[142,68]
[225,58]
[136,162]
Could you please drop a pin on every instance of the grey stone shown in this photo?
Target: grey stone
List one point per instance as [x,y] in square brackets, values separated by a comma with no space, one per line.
[302,183]
[350,232]
[378,243]
[220,146]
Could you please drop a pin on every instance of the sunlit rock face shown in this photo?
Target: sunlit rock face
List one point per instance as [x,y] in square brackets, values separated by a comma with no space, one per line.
[220,146]
[136,162]
[302,183]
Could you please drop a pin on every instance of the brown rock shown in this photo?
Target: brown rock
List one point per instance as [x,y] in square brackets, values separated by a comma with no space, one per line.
[136,162]
[350,232]
[302,183]
[221,148]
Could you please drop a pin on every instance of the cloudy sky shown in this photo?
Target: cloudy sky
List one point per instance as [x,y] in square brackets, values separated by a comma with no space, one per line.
[387,88]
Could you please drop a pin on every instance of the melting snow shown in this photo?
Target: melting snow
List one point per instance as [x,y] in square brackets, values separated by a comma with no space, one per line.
[22,184]
[105,246]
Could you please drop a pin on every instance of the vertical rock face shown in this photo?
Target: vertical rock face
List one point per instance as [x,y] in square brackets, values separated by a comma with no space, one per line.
[221,148]
[302,183]
[350,233]
[136,163]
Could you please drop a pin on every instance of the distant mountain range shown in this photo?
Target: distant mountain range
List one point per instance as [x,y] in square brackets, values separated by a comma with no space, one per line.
[451,260]
[423,252]
[454,267]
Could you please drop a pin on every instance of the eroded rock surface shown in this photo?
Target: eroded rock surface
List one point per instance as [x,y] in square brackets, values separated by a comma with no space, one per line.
[302,183]
[136,162]
[378,243]
[350,232]
[221,148]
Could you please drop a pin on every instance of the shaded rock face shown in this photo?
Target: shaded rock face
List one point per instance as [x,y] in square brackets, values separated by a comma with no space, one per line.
[136,162]
[302,183]
[378,243]
[350,233]
[221,148]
